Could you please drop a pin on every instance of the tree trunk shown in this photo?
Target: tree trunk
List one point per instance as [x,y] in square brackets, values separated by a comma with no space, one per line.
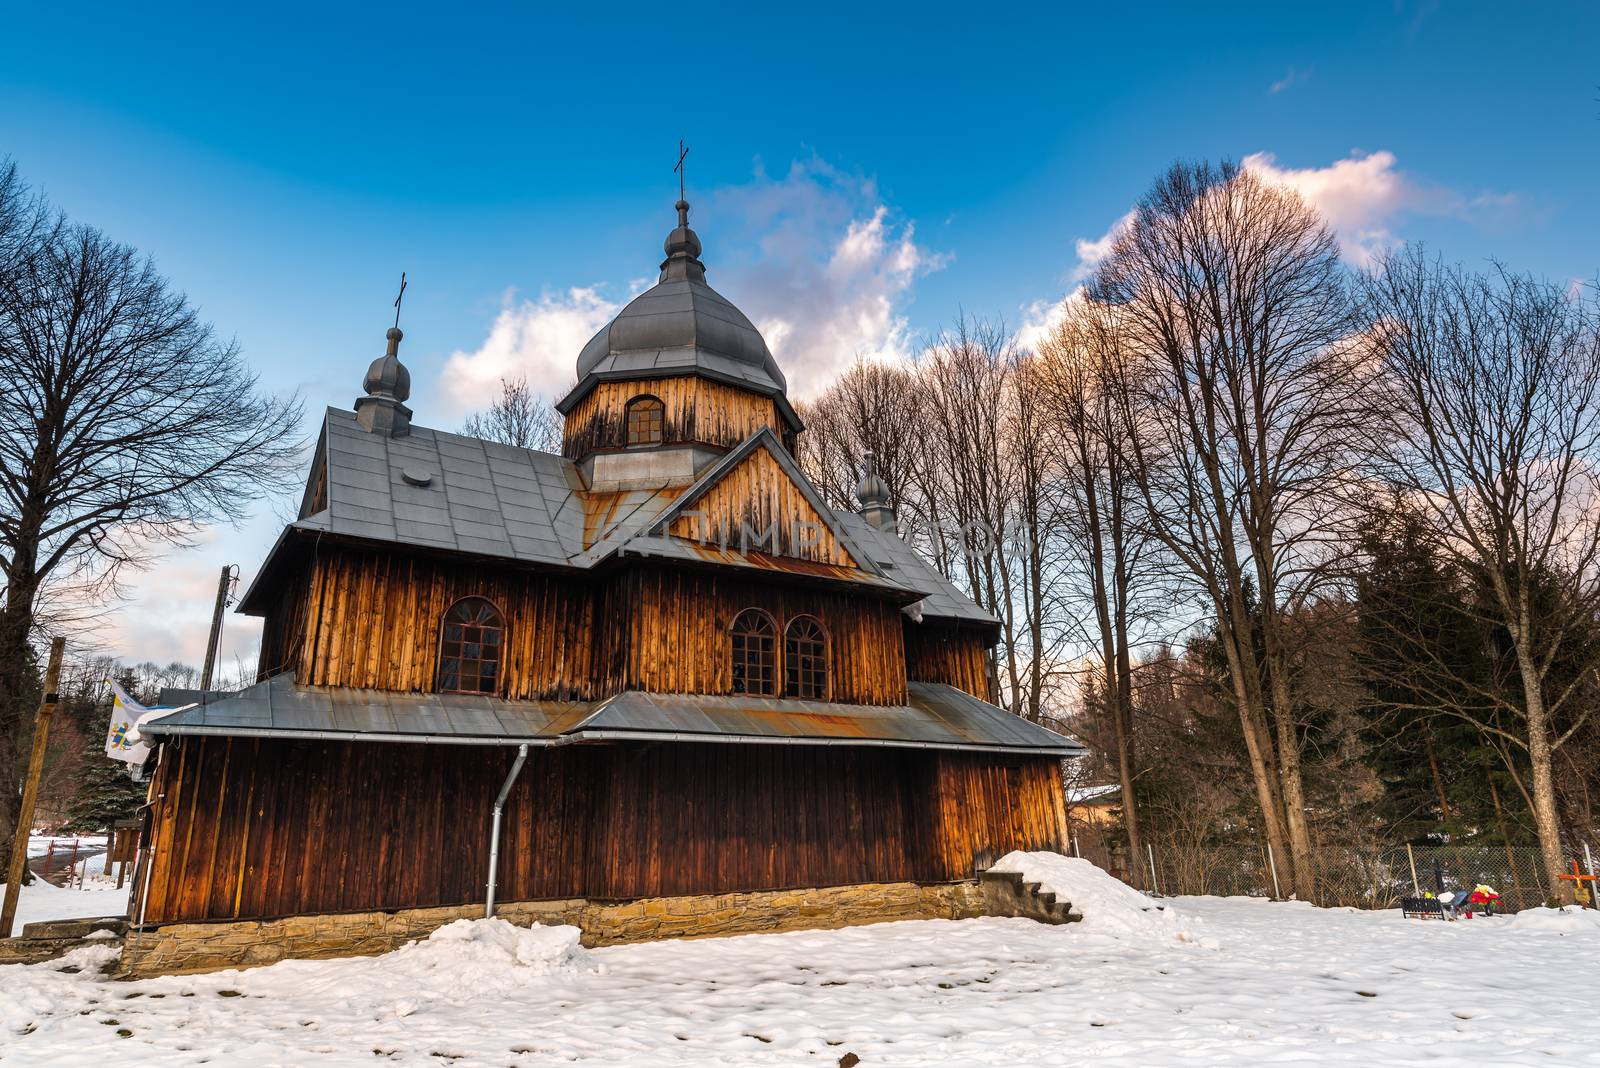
[1540,759]
[1258,745]
[16,626]
[1289,775]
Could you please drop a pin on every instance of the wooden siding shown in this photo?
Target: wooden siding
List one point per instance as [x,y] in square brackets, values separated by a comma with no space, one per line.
[666,630]
[954,655]
[758,501]
[371,619]
[251,828]
[697,411]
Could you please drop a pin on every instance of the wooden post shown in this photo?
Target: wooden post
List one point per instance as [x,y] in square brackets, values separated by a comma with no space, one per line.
[1416,884]
[30,789]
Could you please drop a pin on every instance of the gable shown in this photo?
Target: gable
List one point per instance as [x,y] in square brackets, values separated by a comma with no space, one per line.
[756,506]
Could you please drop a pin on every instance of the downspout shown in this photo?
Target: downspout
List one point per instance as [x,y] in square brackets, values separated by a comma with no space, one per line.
[494,830]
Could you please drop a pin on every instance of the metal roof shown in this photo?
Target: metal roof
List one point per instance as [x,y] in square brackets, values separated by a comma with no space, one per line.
[681,326]
[936,716]
[447,492]
[276,707]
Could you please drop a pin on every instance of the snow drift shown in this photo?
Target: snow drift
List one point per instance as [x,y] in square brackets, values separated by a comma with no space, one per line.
[1108,905]
[1557,921]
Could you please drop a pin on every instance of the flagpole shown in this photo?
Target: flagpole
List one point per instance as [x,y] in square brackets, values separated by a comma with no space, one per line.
[30,788]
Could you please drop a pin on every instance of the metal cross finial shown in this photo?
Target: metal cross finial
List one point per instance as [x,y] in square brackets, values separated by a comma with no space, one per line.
[682,152]
[398,299]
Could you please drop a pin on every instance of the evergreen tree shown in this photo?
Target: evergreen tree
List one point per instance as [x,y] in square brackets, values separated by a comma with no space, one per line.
[106,793]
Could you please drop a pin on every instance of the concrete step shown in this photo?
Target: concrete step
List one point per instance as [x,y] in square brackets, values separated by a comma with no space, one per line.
[1006,893]
[79,928]
[39,950]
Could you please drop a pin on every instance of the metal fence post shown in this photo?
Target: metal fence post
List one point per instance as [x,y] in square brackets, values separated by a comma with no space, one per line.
[1416,884]
[1277,894]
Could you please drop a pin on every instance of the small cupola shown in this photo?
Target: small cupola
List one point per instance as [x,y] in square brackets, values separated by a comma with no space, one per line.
[873,494]
[388,386]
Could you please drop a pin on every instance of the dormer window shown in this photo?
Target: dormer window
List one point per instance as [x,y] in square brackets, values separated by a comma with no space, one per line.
[646,416]
[471,647]
[754,642]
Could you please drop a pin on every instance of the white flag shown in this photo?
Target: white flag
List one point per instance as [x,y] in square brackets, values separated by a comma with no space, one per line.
[123,740]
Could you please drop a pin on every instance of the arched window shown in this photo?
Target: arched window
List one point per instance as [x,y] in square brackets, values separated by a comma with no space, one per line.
[471,647]
[645,417]
[805,659]
[754,641]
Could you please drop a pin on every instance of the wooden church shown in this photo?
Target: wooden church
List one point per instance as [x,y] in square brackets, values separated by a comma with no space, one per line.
[656,665]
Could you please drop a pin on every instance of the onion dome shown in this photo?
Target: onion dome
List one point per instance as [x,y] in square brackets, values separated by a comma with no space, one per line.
[873,493]
[680,325]
[388,386]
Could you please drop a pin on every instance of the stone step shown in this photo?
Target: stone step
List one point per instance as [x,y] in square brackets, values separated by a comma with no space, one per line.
[1007,893]
[79,928]
[39,950]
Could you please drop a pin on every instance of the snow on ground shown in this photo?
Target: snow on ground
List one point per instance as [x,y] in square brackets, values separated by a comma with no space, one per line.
[1285,983]
[41,901]
[1108,905]
[40,844]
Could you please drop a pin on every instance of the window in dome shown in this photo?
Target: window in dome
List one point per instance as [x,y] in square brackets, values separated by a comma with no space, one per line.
[645,419]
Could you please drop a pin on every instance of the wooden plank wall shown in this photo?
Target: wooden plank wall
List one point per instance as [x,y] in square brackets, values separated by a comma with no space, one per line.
[957,656]
[247,828]
[697,411]
[986,807]
[759,497]
[666,630]
[372,620]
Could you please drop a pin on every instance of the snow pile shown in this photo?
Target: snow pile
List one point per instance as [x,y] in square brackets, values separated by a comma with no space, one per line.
[1557,921]
[1108,905]
[492,952]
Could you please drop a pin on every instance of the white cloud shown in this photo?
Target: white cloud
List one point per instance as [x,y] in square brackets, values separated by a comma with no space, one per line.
[1294,77]
[1363,198]
[822,266]
[536,339]
[167,616]
[816,259]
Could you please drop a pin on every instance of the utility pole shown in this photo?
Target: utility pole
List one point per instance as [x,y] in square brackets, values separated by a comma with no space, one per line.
[230,575]
[30,788]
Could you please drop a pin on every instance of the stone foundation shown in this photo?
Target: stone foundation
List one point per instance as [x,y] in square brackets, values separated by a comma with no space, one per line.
[202,947]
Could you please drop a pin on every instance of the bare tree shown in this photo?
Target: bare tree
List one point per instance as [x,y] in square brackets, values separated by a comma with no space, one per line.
[520,416]
[968,374]
[872,407]
[1230,293]
[1081,362]
[1494,383]
[125,426]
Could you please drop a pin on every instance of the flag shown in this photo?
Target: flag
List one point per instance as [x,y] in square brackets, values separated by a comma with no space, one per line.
[123,740]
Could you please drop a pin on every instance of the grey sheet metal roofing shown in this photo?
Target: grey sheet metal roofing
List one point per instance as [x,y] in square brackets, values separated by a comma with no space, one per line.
[681,325]
[936,716]
[504,502]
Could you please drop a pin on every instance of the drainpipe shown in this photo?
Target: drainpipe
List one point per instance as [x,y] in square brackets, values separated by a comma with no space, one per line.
[494,830]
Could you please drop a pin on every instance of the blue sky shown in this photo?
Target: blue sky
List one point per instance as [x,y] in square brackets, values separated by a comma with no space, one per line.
[860,174]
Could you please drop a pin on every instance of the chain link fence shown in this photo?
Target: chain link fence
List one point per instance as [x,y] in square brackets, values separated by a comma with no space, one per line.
[1367,878]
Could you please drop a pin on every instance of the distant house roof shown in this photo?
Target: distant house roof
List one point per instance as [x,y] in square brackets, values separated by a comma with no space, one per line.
[447,492]
[1102,794]
[936,716]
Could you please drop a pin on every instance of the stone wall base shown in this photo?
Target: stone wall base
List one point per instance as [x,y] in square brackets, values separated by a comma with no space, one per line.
[180,948]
